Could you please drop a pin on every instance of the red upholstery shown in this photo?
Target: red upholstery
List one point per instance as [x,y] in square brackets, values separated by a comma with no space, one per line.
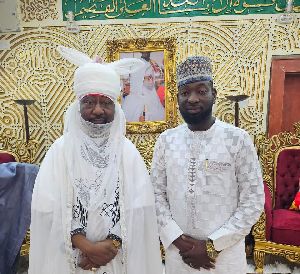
[287,177]
[6,158]
[268,210]
[286,227]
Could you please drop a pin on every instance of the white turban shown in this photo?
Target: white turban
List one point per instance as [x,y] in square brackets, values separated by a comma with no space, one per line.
[96,77]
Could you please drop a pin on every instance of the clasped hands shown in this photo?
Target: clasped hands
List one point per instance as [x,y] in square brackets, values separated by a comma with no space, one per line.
[194,253]
[96,254]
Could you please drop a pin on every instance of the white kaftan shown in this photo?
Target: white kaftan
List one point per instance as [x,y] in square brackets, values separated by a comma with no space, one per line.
[207,184]
[53,199]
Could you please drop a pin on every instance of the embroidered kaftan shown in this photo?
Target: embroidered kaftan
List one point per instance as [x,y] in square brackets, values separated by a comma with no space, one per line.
[107,218]
[207,184]
[52,208]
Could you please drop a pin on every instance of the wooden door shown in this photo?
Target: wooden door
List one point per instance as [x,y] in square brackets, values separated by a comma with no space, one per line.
[284,105]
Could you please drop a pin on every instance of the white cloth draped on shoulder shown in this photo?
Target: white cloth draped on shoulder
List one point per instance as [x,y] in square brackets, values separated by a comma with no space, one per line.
[51,249]
[72,168]
[92,166]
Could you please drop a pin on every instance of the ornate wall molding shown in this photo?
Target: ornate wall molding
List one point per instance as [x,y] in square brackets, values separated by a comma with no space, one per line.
[38,10]
[241,52]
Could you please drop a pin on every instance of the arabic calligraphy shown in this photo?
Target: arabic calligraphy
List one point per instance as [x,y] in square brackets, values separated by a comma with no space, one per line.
[134,9]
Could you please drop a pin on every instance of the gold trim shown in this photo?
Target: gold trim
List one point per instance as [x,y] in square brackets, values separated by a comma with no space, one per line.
[297,128]
[268,150]
[22,151]
[259,229]
[25,247]
[259,258]
[162,252]
[290,252]
[146,150]
[168,46]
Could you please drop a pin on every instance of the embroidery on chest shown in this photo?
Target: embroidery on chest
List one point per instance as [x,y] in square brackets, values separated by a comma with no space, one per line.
[216,166]
[95,154]
[195,151]
[84,188]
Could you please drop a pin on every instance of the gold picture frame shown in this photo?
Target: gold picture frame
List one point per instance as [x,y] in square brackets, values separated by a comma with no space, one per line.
[115,48]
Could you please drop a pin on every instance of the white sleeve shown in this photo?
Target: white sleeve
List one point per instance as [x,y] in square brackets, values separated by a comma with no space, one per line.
[251,198]
[168,228]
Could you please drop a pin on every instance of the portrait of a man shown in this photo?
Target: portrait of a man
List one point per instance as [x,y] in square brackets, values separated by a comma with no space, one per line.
[143,92]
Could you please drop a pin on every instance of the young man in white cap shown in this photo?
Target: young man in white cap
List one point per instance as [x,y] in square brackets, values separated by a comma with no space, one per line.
[93,203]
[207,182]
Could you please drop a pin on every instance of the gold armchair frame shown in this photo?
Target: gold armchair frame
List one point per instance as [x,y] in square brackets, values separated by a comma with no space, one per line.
[23,152]
[268,150]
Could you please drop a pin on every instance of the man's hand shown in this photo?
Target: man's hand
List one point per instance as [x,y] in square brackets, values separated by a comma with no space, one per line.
[197,257]
[87,264]
[142,119]
[101,253]
[182,245]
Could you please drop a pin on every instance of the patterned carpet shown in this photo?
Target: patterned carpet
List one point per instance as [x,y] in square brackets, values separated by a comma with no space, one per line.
[275,264]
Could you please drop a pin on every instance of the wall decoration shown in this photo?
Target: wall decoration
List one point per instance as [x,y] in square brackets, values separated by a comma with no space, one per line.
[241,51]
[122,9]
[38,10]
[148,96]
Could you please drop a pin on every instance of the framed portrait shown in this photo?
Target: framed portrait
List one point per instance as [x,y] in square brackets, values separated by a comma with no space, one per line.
[148,96]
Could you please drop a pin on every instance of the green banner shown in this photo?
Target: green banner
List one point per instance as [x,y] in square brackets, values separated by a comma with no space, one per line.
[135,9]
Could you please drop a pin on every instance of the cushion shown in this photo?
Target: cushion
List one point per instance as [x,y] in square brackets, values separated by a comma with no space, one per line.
[6,158]
[286,227]
[287,176]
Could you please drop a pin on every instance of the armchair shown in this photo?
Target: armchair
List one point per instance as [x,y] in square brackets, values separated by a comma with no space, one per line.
[6,157]
[277,231]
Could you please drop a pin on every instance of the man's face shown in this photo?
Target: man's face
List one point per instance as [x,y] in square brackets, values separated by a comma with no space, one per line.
[195,101]
[146,55]
[97,109]
[148,78]
[148,82]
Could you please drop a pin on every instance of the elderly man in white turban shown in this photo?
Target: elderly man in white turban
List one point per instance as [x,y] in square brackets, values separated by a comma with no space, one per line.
[93,203]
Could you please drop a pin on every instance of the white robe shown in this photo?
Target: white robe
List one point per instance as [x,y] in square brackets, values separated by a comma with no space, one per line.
[50,244]
[207,184]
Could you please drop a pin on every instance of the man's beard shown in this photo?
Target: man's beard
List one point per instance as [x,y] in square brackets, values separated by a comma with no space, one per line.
[194,119]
